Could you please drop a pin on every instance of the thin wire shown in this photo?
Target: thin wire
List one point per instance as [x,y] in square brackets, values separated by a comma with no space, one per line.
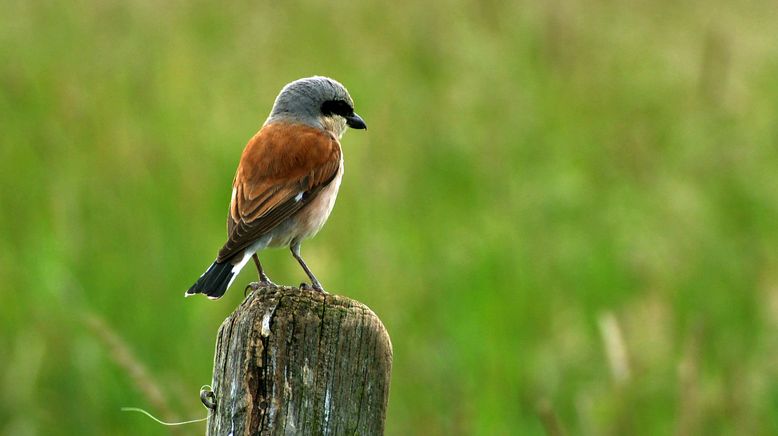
[135,409]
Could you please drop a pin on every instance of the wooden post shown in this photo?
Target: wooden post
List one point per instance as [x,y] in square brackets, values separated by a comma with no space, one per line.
[291,361]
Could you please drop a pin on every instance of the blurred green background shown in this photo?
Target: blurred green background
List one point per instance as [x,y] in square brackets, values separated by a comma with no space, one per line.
[565,212]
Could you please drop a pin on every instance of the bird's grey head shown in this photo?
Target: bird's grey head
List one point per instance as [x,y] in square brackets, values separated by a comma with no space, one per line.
[318,102]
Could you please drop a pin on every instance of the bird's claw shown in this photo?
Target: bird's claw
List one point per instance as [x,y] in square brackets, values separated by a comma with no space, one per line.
[315,287]
[265,281]
[255,286]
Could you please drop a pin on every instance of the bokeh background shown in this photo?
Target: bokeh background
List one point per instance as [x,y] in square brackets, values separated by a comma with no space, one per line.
[565,212]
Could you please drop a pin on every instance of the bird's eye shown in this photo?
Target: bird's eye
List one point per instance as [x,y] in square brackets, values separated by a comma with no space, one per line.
[336,107]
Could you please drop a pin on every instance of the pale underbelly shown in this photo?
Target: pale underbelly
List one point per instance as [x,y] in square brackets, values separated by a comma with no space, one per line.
[310,219]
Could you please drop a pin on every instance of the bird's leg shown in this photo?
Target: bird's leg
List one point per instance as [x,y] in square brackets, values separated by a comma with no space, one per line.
[295,247]
[264,280]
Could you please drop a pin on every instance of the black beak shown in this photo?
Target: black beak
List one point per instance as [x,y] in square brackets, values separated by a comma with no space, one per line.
[356,122]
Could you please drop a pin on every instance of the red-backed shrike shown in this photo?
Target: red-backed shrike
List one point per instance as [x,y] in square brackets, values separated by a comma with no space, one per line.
[287,180]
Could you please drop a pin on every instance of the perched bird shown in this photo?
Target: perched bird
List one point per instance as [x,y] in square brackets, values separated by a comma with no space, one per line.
[286,182]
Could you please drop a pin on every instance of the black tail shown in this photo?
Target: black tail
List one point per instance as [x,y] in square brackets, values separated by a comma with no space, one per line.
[214,281]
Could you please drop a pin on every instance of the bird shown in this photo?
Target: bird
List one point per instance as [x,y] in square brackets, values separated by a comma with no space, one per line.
[286,182]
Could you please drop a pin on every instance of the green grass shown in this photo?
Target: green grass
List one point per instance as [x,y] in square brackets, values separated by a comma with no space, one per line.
[531,171]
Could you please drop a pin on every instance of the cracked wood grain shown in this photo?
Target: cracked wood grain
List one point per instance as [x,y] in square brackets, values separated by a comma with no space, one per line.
[291,361]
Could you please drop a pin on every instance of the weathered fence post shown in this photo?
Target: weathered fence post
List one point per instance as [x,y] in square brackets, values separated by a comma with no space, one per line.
[291,361]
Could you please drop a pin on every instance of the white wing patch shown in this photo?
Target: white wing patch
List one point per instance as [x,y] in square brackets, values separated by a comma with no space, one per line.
[298,197]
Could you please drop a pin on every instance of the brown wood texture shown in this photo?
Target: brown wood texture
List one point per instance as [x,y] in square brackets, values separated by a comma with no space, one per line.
[291,361]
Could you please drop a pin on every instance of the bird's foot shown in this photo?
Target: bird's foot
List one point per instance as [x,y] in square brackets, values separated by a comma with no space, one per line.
[251,287]
[264,280]
[255,286]
[314,287]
